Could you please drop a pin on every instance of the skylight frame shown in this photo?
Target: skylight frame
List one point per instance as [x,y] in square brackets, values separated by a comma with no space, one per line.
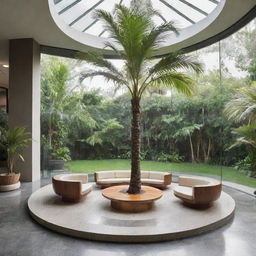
[184,18]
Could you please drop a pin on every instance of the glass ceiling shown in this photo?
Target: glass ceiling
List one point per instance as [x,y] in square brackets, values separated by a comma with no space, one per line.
[78,14]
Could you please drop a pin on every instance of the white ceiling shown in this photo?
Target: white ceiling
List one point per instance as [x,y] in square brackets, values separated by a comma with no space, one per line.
[33,19]
[80,14]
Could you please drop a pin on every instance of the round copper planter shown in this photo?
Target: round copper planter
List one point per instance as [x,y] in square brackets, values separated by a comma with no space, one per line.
[9,178]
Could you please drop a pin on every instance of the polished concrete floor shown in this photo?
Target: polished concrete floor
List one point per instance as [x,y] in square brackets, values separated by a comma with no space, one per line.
[20,235]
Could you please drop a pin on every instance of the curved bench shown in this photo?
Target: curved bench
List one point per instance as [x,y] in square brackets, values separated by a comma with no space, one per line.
[71,187]
[121,177]
[198,191]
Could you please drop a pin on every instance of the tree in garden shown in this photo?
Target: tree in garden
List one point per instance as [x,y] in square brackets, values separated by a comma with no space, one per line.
[135,40]
[61,105]
[106,133]
[187,131]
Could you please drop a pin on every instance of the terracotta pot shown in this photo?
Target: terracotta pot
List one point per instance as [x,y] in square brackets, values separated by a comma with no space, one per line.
[9,178]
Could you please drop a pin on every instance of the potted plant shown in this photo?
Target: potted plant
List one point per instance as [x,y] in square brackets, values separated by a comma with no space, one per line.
[12,141]
[59,157]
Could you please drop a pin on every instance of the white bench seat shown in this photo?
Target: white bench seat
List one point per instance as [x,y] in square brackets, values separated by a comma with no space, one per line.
[197,190]
[186,192]
[71,187]
[150,178]
[86,188]
[113,180]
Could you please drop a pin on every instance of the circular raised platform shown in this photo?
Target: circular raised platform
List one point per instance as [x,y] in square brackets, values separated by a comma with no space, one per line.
[94,219]
[124,202]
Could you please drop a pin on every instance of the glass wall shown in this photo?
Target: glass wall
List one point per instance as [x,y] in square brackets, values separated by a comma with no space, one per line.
[86,123]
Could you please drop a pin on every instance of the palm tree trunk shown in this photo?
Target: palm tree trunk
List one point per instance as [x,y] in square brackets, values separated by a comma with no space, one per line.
[135,182]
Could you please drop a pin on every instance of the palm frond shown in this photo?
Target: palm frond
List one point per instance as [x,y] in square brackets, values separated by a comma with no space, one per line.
[108,77]
[99,61]
[118,52]
[13,141]
[242,141]
[158,34]
[247,135]
[243,106]
[128,28]
[135,40]
[172,80]
[174,62]
[109,23]
[21,157]
[152,41]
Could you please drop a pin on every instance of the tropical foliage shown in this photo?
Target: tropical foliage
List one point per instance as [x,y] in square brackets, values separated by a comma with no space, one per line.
[166,117]
[162,119]
[242,109]
[13,141]
[61,106]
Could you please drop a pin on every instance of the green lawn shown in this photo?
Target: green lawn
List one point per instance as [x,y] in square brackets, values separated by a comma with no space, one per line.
[229,174]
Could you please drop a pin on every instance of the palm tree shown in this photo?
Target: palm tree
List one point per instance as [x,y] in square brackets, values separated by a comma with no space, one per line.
[243,106]
[135,40]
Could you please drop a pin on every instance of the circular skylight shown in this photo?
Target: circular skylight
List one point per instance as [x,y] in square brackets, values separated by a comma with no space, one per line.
[78,14]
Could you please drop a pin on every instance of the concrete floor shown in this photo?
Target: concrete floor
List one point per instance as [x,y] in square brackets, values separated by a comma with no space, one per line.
[20,235]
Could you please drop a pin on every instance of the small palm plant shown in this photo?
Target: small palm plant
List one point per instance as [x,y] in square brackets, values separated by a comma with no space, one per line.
[13,141]
[135,39]
[242,109]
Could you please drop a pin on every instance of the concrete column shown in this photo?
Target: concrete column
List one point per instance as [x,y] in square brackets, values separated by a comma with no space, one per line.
[24,101]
